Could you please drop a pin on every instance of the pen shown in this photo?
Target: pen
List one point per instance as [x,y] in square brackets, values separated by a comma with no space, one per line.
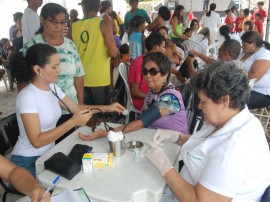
[50,187]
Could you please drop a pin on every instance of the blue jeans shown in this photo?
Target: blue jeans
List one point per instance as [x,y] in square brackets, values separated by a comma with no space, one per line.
[27,162]
[205,5]
[97,95]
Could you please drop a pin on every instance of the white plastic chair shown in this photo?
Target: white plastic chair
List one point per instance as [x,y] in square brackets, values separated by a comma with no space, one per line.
[123,71]
[181,52]
[189,45]
[213,49]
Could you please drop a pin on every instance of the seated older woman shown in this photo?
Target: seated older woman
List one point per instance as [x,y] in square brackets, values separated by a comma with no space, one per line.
[256,57]
[163,106]
[228,159]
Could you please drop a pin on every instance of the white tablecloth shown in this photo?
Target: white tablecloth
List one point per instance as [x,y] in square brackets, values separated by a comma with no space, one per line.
[128,180]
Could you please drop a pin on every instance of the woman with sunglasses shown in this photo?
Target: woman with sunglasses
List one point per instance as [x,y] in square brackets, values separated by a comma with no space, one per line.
[54,20]
[163,106]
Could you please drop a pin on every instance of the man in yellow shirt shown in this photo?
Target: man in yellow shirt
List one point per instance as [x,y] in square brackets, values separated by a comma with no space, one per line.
[94,39]
[246,17]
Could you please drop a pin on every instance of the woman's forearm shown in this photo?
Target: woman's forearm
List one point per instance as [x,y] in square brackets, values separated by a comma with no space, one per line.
[182,190]
[132,126]
[23,181]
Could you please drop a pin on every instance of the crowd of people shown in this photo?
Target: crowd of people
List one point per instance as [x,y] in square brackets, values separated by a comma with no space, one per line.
[63,66]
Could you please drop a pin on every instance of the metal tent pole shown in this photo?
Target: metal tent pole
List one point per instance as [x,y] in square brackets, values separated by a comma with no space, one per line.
[267,25]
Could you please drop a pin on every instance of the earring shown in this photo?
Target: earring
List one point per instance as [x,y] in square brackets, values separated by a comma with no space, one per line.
[164,82]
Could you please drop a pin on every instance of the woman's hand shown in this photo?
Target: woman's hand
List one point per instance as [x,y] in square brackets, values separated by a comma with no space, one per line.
[195,53]
[82,117]
[165,136]
[158,158]
[37,194]
[115,107]
[96,135]
[190,60]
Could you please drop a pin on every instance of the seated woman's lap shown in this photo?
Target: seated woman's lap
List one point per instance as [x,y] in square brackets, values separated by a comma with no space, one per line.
[258,100]
[27,162]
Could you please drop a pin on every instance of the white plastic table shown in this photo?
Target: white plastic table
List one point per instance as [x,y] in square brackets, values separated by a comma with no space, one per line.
[128,180]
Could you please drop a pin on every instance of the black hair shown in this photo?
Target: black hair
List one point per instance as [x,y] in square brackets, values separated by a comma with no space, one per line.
[254,37]
[105,5]
[92,5]
[136,22]
[193,22]
[221,79]
[16,16]
[124,49]
[22,67]
[3,41]
[233,8]
[233,47]
[250,24]
[161,60]
[258,14]
[154,39]
[246,12]
[164,12]
[227,11]
[213,7]
[165,28]
[187,30]
[50,10]
[176,13]
[224,30]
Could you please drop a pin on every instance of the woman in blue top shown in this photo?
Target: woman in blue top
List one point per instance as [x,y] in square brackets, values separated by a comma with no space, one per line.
[137,38]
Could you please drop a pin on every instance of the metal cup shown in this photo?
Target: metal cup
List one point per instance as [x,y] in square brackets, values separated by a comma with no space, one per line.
[118,148]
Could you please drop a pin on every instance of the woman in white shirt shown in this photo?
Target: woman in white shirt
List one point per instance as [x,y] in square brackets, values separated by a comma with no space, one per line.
[203,38]
[211,19]
[38,105]
[195,26]
[256,57]
[228,158]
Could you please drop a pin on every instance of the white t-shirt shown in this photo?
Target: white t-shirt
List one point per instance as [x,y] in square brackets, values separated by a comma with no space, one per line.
[212,22]
[220,38]
[234,161]
[201,40]
[30,24]
[44,103]
[262,85]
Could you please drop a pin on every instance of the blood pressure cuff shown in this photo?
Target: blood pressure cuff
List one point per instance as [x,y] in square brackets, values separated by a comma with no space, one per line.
[62,165]
[150,115]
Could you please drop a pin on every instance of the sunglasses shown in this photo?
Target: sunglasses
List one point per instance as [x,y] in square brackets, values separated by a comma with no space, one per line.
[56,22]
[152,71]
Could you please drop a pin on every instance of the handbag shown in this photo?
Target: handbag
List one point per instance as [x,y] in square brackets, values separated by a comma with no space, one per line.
[62,165]
[68,166]
[78,151]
